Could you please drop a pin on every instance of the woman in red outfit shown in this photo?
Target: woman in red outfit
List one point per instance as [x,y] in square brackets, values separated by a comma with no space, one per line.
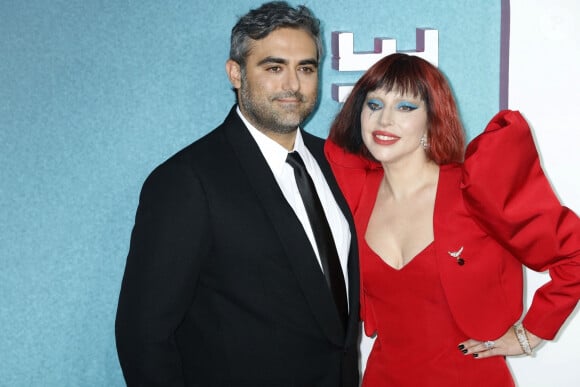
[444,232]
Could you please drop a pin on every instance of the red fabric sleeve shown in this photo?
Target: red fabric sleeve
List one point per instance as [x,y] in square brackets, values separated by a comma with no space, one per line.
[507,192]
[350,171]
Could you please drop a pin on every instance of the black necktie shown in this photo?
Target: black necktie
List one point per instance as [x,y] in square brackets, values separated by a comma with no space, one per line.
[322,235]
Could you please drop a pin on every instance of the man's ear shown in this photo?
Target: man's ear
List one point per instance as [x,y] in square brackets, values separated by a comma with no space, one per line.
[234,72]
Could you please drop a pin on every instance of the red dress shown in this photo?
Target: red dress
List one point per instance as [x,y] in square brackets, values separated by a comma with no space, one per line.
[417,337]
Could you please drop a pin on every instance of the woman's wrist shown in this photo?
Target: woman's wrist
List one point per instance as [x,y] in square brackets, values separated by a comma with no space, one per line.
[522,337]
[527,340]
[533,339]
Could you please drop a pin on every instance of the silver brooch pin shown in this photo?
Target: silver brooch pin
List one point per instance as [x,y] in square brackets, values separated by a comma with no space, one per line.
[457,256]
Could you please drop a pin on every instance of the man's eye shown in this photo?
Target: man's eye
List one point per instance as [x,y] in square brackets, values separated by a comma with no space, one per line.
[307,69]
[274,69]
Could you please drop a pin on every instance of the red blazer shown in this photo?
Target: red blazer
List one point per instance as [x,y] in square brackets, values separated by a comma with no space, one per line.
[500,210]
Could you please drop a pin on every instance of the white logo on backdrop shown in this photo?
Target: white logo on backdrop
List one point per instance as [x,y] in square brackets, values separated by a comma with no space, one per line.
[345,59]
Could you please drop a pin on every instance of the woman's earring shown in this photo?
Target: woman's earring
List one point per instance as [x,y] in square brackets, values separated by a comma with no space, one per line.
[424,142]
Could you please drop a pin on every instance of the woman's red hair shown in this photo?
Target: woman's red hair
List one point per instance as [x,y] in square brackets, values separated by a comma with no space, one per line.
[405,74]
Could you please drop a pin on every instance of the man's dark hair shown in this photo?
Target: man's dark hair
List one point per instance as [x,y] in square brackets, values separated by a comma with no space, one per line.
[260,22]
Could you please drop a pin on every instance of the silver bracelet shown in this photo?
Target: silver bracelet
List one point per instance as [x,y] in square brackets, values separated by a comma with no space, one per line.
[523,339]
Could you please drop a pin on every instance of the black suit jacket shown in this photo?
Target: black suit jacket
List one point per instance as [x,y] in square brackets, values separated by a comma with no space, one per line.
[221,286]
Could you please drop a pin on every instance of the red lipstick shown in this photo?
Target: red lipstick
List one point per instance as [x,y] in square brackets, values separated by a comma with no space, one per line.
[384,138]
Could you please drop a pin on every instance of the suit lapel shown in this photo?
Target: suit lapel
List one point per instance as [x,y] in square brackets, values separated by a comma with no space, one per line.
[317,149]
[291,234]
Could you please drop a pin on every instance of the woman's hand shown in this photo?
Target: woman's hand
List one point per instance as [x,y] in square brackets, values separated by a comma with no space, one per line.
[507,345]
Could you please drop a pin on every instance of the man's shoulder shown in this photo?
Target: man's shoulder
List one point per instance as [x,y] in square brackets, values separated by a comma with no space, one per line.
[199,156]
[204,146]
[209,147]
[192,151]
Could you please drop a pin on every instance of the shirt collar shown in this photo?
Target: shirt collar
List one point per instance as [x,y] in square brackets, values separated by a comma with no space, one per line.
[274,153]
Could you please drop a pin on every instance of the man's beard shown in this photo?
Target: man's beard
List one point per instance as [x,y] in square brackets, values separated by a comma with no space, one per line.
[265,117]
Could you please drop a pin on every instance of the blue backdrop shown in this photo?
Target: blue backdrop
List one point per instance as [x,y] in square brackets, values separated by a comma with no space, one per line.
[94,94]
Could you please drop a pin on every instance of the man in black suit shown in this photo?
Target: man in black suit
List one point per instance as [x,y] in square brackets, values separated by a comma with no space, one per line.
[224,283]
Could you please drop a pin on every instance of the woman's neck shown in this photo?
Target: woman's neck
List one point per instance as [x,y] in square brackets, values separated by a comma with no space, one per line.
[403,179]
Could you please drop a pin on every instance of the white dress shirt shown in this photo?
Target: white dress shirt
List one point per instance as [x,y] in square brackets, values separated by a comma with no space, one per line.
[275,155]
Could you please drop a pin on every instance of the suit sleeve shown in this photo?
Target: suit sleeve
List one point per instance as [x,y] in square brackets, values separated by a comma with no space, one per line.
[506,190]
[168,245]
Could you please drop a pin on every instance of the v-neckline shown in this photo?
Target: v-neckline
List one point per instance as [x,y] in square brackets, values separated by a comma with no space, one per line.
[370,205]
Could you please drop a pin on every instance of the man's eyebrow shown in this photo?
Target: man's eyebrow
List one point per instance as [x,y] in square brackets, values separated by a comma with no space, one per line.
[312,62]
[273,59]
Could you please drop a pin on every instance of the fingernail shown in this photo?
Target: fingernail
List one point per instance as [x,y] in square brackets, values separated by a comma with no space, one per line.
[475,355]
[461,346]
[464,350]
